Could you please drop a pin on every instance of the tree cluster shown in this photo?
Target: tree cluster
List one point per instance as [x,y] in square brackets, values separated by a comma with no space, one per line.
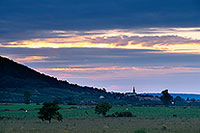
[166,98]
[50,111]
[102,108]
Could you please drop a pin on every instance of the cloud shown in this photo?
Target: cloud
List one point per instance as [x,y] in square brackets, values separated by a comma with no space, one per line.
[94,57]
[145,40]
[149,79]
[148,70]
[122,72]
[24,17]
[145,34]
[31,59]
[115,39]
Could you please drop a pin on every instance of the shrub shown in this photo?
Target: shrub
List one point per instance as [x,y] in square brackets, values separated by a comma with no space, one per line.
[49,111]
[121,114]
[164,127]
[125,114]
[22,109]
[102,108]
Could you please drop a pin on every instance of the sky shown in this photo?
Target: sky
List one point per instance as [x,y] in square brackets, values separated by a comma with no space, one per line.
[112,44]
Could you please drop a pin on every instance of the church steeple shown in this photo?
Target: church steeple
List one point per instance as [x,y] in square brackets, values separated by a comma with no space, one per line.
[134,90]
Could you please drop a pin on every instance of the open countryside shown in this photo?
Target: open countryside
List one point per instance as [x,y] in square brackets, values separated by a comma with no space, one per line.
[99,66]
[145,119]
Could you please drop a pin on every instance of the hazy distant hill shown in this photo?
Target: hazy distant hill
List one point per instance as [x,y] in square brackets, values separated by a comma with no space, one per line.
[184,96]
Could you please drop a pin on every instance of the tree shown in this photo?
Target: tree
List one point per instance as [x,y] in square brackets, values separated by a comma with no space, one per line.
[193,100]
[179,100]
[188,99]
[50,111]
[102,108]
[27,97]
[166,98]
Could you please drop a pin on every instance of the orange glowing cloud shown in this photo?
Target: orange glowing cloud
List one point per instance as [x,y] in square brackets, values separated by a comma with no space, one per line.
[86,69]
[32,59]
[177,40]
[116,72]
[147,70]
[176,48]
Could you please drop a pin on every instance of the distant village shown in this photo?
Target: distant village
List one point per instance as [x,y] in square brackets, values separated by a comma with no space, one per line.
[147,97]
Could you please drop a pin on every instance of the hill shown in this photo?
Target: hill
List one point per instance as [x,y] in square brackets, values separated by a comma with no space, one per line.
[15,79]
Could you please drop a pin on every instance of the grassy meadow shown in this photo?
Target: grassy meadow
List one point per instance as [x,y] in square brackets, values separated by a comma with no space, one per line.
[13,111]
[148,119]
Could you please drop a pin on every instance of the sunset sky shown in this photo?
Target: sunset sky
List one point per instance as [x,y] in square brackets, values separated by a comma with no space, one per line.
[112,44]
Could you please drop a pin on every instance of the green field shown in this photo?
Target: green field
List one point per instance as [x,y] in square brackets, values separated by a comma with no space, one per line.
[148,119]
[146,112]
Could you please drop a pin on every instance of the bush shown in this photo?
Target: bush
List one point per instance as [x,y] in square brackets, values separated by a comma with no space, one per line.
[164,127]
[49,111]
[121,114]
[22,109]
[102,108]
[125,114]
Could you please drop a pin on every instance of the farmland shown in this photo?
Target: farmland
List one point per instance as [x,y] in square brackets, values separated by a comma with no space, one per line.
[147,119]
[77,111]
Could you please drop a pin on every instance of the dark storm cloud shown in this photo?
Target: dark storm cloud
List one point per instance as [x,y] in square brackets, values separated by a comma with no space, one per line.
[22,16]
